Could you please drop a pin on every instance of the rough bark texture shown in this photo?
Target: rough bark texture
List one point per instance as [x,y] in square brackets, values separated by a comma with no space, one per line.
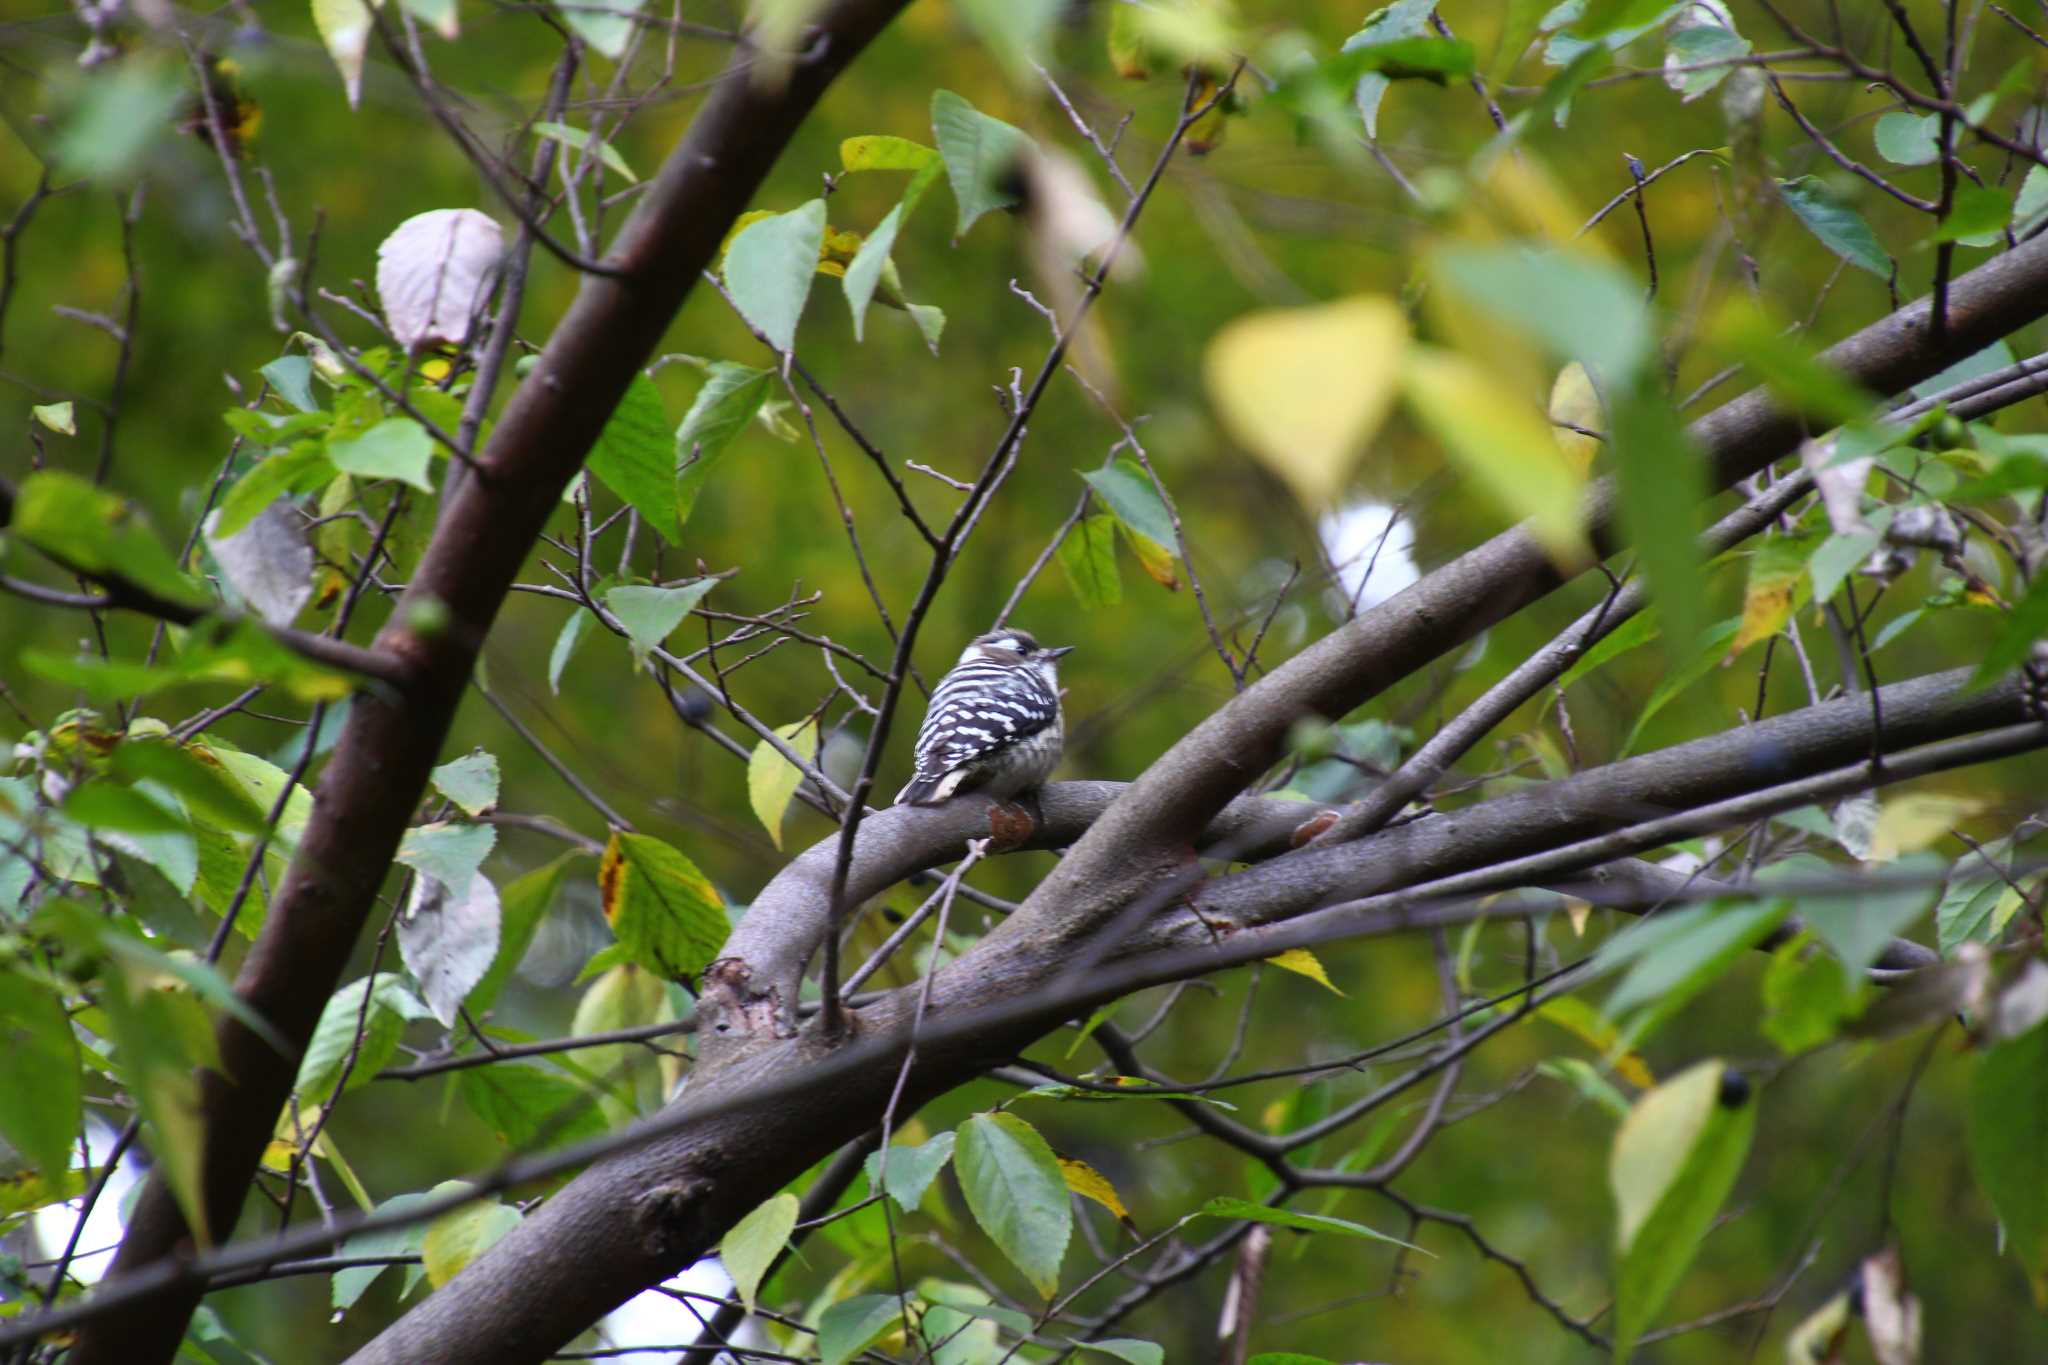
[380,766]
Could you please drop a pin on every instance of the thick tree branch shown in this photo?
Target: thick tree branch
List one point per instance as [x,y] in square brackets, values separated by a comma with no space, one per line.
[380,766]
[1134,844]
[745,1128]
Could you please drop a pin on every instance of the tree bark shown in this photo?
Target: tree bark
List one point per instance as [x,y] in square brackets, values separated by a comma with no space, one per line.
[380,766]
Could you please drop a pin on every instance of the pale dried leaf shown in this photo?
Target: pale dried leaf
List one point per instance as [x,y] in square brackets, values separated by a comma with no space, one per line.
[1840,485]
[1891,1314]
[433,273]
[268,562]
[448,942]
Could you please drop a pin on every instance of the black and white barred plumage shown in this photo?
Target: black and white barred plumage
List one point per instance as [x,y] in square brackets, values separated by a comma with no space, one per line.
[993,724]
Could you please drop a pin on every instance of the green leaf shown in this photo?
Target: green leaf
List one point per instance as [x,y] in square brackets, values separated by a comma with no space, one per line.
[1836,223]
[1502,445]
[299,469]
[1601,17]
[1402,19]
[1707,43]
[650,615]
[1662,484]
[1858,923]
[1015,1190]
[731,395]
[579,138]
[769,268]
[636,459]
[851,1326]
[527,1107]
[380,1006]
[1977,217]
[564,647]
[2026,623]
[1836,558]
[1582,1076]
[100,804]
[449,851]
[980,153]
[755,1241]
[1787,363]
[1974,911]
[1674,1161]
[1126,489]
[1127,1349]
[115,116]
[606,25]
[772,779]
[1908,139]
[1088,555]
[870,265]
[58,417]
[1808,997]
[97,533]
[521,906]
[1221,1207]
[471,781]
[1576,306]
[159,1036]
[909,1170]
[1707,652]
[208,789]
[461,1235]
[396,448]
[41,1100]
[350,1282]
[2008,1140]
[1633,633]
[663,910]
[1677,954]
[292,378]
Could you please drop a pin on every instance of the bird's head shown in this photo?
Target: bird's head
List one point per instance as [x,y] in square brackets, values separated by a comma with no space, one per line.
[1017,648]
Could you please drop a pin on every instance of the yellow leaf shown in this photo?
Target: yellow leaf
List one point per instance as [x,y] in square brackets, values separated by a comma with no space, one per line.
[772,779]
[1305,963]
[461,1235]
[344,27]
[1777,574]
[1304,389]
[1155,559]
[1589,1025]
[293,1124]
[1573,399]
[1090,1183]
[1578,912]
[1502,444]
[1911,822]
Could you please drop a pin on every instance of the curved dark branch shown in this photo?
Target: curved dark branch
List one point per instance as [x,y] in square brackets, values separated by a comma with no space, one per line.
[1133,845]
[380,765]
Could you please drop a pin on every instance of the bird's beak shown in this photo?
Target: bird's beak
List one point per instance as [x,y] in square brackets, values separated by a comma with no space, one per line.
[1057,653]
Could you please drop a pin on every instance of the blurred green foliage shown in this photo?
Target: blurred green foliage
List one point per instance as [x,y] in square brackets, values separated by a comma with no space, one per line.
[1281,212]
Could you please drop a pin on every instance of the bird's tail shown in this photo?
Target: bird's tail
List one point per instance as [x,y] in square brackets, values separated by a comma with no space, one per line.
[926,791]
[915,791]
